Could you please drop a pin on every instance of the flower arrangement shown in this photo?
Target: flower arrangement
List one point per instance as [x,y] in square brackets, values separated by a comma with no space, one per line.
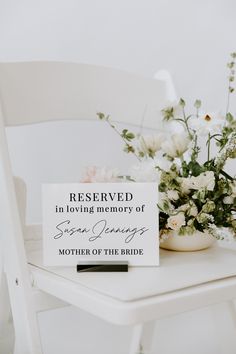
[194,195]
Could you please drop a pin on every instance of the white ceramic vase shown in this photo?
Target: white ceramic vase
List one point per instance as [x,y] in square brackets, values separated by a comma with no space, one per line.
[187,243]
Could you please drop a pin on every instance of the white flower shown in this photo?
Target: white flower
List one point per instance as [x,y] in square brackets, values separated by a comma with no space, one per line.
[172,110]
[172,194]
[233,188]
[95,174]
[183,207]
[175,222]
[190,209]
[206,123]
[172,106]
[176,146]
[193,211]
[204,180]
[186,185]
[150,144]
[164,203]
[221,233]
[228,200]
[145,171]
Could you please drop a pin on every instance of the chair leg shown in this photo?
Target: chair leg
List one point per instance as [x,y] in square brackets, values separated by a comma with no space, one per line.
[4,303]
[142,338]
[27,337]
[6,326]
[232,311]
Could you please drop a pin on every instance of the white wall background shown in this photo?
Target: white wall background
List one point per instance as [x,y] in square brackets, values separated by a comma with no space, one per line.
[192,39]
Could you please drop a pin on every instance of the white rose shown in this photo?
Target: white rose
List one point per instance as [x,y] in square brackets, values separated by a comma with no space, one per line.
[175,222]
[186,185]
[204,180]
[233,188]
[172,195]
[190,209]
[150,144]
[176,146]
[164,202]
[183,207]
[206,123]
[193,211]
[228,200]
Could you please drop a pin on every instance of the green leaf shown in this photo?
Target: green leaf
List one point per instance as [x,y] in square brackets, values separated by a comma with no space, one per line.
[130,136]
[229,117]
[168,113]
[101,115]
[195,168]
[127,135]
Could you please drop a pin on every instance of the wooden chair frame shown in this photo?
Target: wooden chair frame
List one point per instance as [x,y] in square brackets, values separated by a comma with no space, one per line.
[41,91]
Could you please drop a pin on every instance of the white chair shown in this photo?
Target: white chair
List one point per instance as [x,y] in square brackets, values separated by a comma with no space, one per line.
[39,92]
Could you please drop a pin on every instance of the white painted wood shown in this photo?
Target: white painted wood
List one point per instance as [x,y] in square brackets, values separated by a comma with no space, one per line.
[141,309]
[44,302]
[41,91]
[14,258]
[5,312]
[177,271]
[164,76]
[148,337]
[37,92]
[136,340]
[142,338]
[20,190]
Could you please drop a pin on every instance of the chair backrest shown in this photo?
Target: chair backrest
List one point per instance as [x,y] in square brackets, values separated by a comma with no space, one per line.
[44,91]
[33,92]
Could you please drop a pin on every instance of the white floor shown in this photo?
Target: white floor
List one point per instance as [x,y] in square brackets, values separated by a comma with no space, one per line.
[205,331]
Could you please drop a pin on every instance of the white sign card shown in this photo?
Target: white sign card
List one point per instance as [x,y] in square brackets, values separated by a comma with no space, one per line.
[100,222]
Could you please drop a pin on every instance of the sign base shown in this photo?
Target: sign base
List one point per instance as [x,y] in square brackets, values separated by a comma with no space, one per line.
[102,267]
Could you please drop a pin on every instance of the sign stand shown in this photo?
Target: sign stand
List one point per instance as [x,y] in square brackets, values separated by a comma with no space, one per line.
[102,267]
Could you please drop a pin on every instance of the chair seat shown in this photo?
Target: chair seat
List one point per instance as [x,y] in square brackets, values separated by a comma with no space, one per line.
[183,280]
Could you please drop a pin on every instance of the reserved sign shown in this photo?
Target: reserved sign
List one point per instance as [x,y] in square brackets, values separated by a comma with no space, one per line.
[100,222]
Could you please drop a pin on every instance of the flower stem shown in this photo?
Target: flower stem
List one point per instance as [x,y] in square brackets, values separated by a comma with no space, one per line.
[186,124]
[208,147]
[117,132]
[228,102]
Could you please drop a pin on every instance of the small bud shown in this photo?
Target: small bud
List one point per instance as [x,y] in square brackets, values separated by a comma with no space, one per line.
[182,102]
[197,104]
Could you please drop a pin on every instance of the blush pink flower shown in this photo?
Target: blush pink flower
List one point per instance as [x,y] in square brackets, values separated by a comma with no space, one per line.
[96,174]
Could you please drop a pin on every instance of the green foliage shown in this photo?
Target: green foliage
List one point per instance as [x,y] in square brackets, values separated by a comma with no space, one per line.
[168,113]
[203,192]
[127,135]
